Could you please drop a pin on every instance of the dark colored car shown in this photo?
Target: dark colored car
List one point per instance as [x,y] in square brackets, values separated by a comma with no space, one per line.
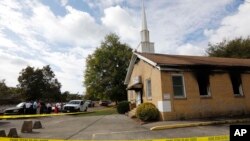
[104,103]
[18,110]
[90,103]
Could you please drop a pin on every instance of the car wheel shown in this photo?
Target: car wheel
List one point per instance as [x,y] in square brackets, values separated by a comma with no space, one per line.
[86,109]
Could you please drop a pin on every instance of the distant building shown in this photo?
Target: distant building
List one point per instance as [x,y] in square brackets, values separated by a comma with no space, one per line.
[184,87]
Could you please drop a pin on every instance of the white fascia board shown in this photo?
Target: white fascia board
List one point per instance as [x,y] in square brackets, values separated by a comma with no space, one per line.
[147,60]
[130,68]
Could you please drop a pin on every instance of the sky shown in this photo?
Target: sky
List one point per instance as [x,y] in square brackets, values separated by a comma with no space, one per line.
[62,33]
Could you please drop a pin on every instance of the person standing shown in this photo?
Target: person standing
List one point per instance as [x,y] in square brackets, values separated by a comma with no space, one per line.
[34,107]
[28,105]
[57,107]
[38,107]
[49,107]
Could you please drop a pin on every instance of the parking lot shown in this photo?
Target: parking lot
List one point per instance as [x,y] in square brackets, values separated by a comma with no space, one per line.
[108,127]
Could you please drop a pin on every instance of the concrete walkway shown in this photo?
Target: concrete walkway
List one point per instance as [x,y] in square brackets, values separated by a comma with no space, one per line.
[163,125]
[110,127]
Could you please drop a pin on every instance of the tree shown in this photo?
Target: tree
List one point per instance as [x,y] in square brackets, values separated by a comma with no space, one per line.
[106,70]
[237,48]
[4,89]
[67,96]
[39,84]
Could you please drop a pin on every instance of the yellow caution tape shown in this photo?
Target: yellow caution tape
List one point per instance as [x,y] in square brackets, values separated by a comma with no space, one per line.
[47,115]
[40,115]
[209,138]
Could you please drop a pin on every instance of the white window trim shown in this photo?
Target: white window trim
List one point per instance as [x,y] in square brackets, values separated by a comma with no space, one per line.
[149,97]
[183,83]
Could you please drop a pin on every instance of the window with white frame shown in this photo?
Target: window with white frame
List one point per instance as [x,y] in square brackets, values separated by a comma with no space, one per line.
[178,85]
[148,88]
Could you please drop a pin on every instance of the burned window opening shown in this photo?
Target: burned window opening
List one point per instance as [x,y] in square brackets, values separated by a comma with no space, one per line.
[236,82]
[202,77]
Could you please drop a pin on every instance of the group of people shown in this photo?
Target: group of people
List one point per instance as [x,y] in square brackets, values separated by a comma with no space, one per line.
[38,107]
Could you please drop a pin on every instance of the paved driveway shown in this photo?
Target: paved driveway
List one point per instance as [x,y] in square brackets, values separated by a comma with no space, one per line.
[111,127]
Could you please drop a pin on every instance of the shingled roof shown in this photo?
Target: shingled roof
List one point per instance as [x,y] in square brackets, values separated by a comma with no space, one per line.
[164,59]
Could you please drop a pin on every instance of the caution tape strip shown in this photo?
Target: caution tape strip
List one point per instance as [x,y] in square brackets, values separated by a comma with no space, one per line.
[40,115]
[209,138]
[46,115]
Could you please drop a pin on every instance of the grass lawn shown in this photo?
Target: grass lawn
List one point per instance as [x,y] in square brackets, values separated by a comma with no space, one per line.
[105,111]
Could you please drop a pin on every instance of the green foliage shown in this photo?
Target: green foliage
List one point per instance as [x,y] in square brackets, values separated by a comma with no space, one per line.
[39,84]
[106,70]
[9,95]
[147,112]
[4,90]
[123,107]
[237,48]
[67,96]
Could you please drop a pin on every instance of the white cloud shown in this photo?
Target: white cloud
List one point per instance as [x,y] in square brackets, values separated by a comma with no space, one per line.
[189,49]
[103,3]
[40,34]
[64,2]
[233,26]
[118,20]
[75,27]
[170,22]
[42,37]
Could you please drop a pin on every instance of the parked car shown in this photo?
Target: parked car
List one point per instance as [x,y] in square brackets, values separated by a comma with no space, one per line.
[90,103]
[19,109]
[75,106]
[104,103]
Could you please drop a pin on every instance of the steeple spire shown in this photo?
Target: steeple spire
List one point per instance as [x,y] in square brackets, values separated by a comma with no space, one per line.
[144,19]
[145,45]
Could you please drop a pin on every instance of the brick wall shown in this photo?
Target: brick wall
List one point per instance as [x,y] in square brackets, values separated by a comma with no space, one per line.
[222,101]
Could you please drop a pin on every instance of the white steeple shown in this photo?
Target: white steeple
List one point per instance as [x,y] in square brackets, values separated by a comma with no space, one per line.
[145,45]
[144,18]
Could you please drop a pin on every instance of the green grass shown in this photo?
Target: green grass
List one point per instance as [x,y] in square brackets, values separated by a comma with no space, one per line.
[106,111]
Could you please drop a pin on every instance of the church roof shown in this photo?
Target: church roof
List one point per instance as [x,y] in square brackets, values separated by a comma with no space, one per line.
[165,59]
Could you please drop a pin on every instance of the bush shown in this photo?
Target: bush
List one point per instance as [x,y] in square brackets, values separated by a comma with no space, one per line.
[123,107]
[147,112]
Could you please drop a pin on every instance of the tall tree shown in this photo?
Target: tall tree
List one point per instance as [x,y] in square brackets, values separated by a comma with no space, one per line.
[237,48]
[39,84]
[4,89]
[106,70]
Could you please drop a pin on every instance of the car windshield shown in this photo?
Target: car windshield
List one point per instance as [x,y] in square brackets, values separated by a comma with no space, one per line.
[74,102]
[20,105]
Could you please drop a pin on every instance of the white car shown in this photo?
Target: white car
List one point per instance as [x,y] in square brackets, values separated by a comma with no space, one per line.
[75,106]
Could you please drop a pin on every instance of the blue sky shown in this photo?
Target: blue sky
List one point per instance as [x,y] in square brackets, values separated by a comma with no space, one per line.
[62,33]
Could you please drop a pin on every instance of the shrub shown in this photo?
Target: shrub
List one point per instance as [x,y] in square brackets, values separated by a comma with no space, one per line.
[147,112]
[123,107]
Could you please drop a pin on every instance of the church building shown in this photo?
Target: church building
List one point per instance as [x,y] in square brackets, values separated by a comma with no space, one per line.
[185,87]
